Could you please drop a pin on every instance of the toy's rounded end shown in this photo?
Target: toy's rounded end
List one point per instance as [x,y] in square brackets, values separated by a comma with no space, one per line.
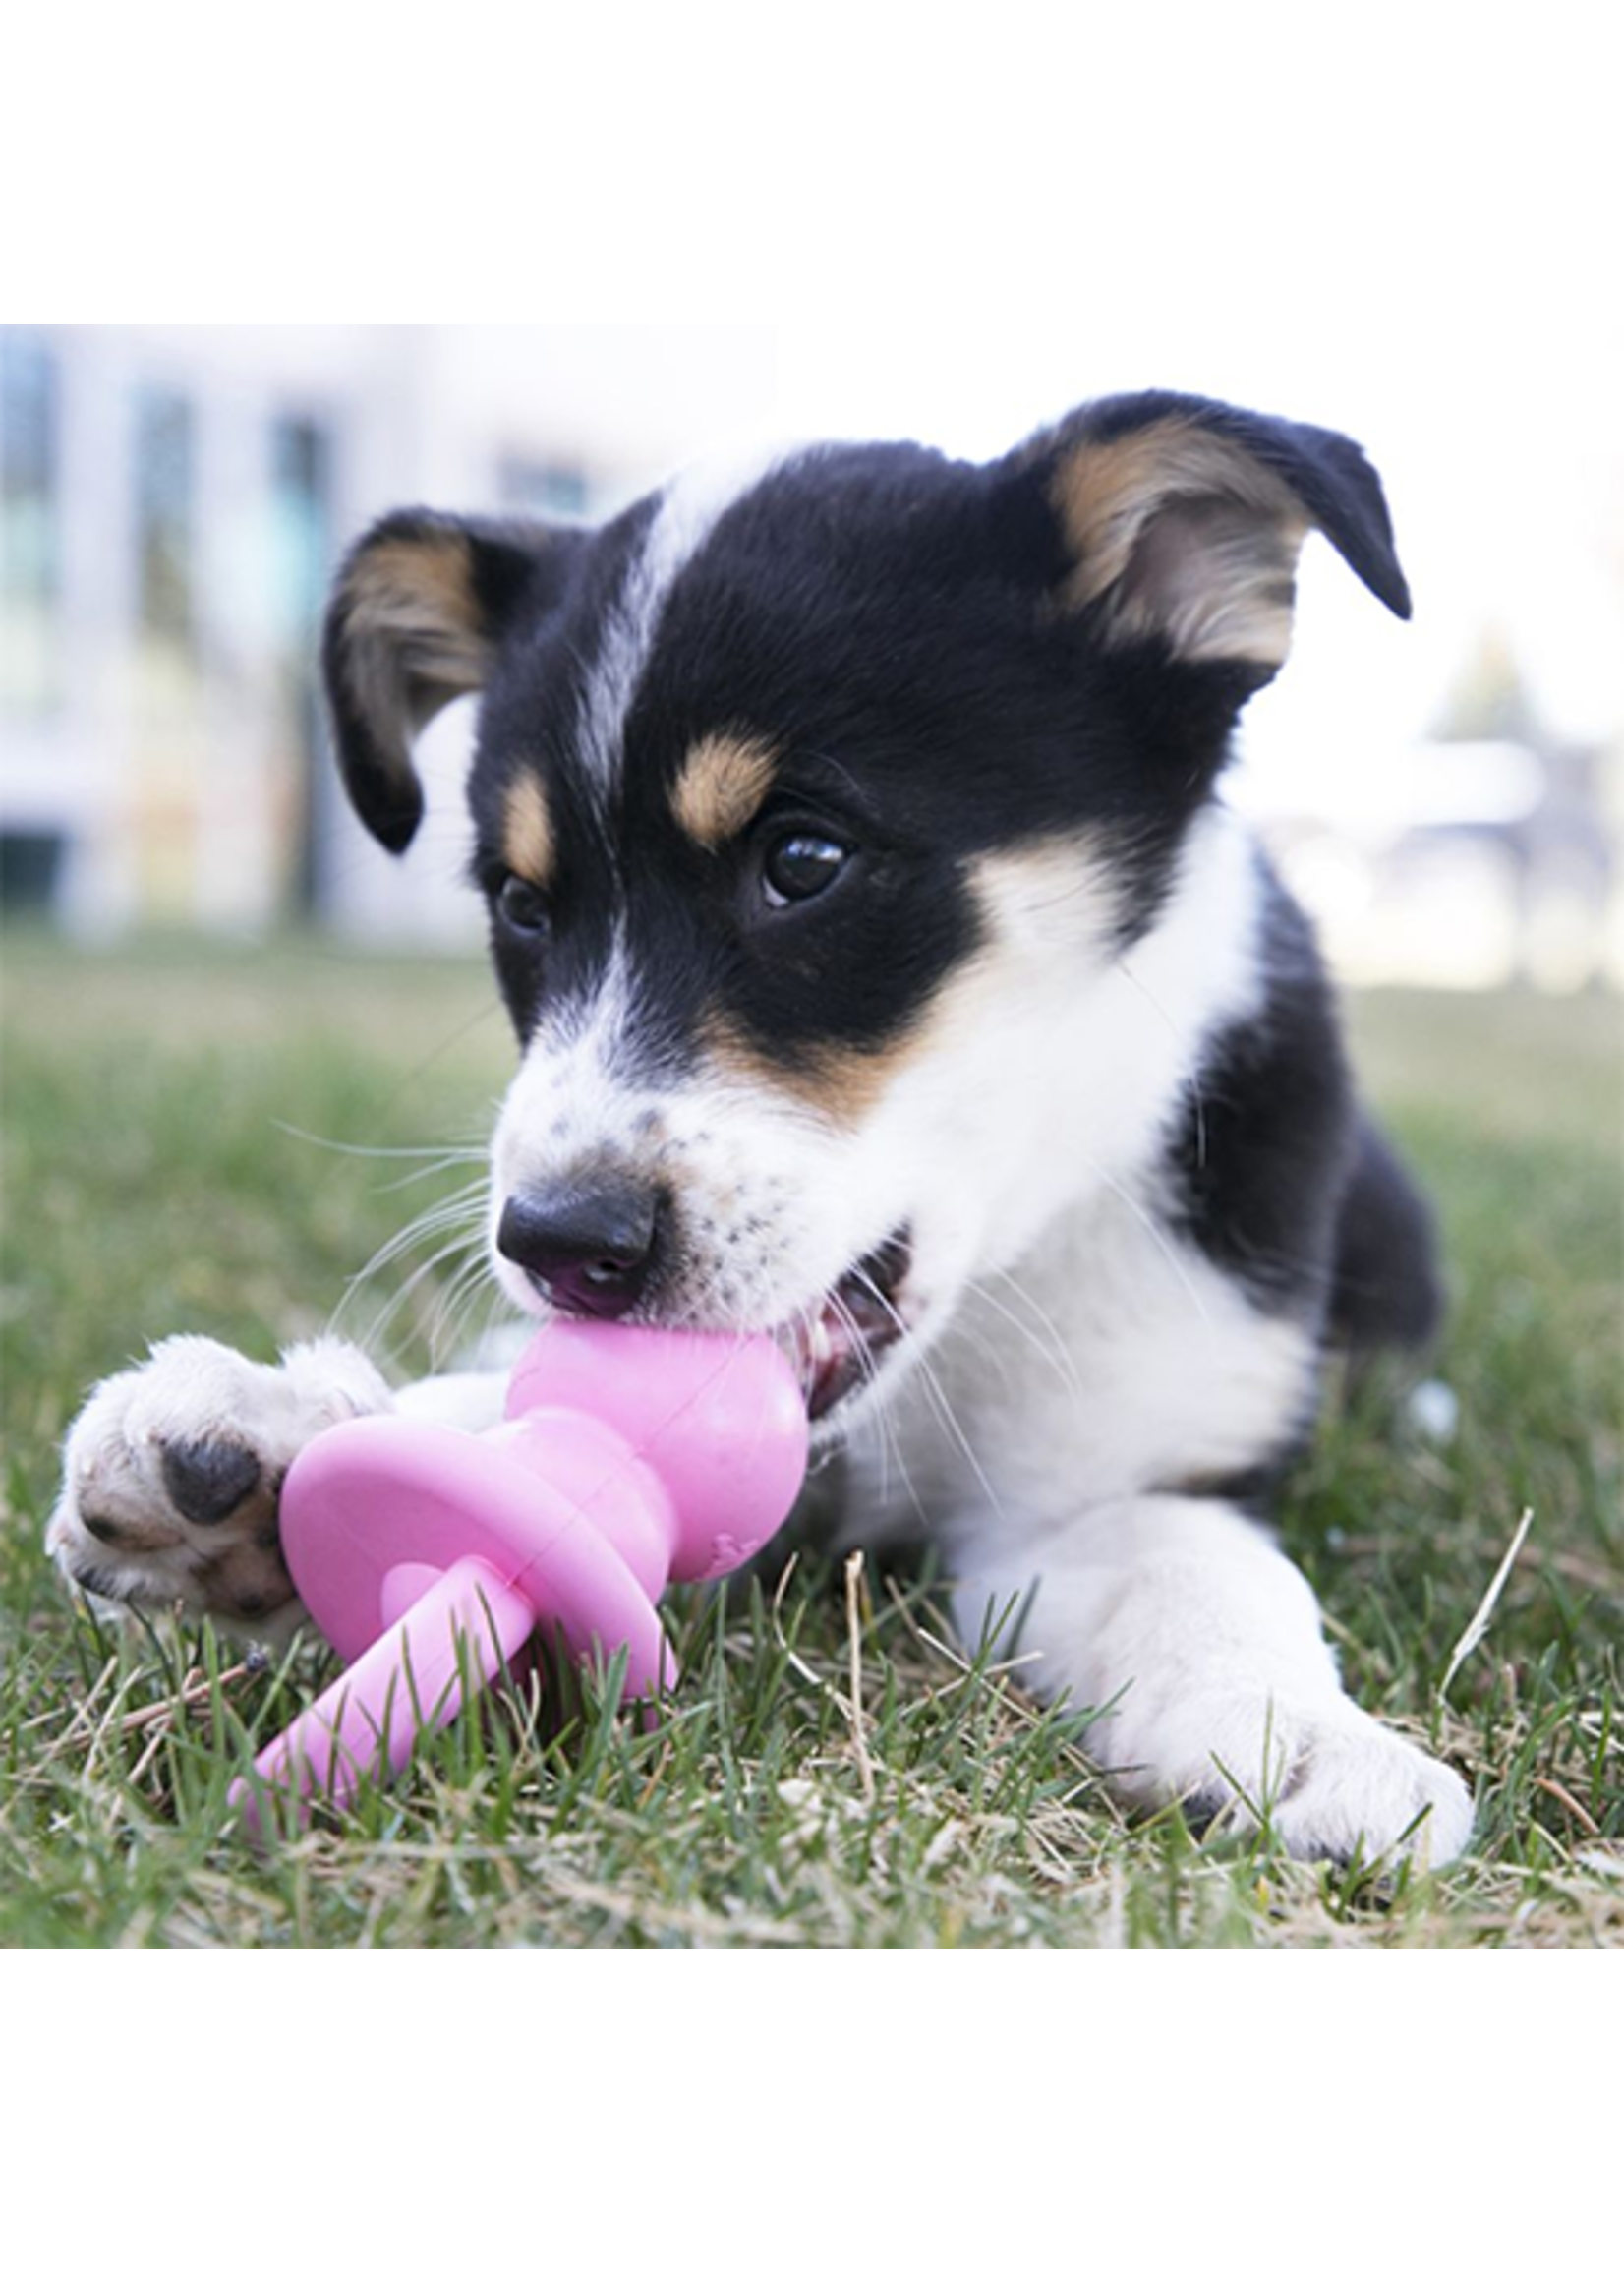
[720,1419]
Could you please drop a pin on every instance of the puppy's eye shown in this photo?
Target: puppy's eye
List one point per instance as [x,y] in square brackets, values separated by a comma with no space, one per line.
[520,906]
[801,865]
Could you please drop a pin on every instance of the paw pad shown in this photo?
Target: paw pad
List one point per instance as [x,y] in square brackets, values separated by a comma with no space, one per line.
[207,1478]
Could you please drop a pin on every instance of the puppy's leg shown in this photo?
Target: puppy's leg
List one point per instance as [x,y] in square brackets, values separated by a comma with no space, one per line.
[1202,1645]
[172,1470]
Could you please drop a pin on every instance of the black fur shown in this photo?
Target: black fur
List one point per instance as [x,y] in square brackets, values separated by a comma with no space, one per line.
[1282,1180]
[891,623]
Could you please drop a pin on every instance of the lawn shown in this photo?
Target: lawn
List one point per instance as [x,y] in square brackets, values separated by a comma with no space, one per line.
[179,1135]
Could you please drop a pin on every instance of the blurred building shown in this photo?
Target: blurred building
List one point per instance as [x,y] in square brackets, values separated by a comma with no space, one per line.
[172,503]
[173,500]
[1486,856]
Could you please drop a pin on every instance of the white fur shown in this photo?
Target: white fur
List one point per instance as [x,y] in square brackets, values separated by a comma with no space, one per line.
[1199,1649]
[687,511]
[190,1390]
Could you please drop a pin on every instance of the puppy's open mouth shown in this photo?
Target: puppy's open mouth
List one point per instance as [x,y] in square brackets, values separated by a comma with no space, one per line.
[840,1350]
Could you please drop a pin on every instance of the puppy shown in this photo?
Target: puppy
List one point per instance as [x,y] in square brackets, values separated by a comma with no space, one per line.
[888,973]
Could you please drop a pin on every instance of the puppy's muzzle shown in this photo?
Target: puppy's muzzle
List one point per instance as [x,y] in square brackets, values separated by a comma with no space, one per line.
[589,1244]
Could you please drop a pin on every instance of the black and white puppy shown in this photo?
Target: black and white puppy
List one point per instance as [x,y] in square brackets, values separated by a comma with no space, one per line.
[888,973]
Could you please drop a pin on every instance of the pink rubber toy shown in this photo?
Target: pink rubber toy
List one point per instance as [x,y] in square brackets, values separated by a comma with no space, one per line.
[428,1557]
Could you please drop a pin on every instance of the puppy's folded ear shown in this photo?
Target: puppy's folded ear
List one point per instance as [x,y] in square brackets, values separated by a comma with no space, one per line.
[1181,520]
[415,615]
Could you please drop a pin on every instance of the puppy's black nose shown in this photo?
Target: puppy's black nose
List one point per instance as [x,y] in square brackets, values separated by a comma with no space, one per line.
[587,1243]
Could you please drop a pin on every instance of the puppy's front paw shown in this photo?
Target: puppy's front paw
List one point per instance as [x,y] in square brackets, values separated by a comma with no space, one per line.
[1329,1780]
[171,1475]
[1358,1788]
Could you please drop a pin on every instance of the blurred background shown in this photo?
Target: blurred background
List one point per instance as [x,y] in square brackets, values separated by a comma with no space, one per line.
[1448,796]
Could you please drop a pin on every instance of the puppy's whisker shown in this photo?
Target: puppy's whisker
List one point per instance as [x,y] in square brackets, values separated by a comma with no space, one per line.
[465,1201]
[1148,1223]
[464,1205]
[888,1443]
[434,1169]
[435,1156]
[461,1247]
[469,1245]
[865,1356]
[455,1304]
[951,1424]
[468,1221]
[890,1440]
[939,1396]
[884,1421]
[327,1145]
[806,1319]
[1050,1349]
[468,1205]
[1190,1058]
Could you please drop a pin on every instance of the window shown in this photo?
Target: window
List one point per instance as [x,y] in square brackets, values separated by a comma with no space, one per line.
[165,484]
[301,563]
[31,523]
[553,488]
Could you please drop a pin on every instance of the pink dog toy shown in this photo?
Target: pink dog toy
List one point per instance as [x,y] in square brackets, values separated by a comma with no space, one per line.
[428,1557]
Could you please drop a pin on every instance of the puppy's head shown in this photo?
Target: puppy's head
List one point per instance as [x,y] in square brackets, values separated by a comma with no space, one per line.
[815,808]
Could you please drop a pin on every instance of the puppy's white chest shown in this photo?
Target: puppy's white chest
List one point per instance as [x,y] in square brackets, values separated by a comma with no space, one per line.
[1114,1361]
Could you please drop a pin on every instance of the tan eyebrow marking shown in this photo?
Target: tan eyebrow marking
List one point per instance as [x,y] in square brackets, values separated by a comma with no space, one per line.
[1050,902]
[720,788]
[839,1085]
[527,830]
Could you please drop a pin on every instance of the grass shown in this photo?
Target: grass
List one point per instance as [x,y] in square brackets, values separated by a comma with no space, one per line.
[835,1770]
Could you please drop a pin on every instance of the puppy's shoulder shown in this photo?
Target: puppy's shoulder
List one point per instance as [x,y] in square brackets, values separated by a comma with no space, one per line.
[1258,1156]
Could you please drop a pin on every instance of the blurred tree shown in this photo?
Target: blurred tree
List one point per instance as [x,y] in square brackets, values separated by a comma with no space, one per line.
[1490,701]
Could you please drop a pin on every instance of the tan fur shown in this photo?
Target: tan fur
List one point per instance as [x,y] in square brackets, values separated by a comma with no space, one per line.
[1216,575]
[840,1084]
[412,586]
[1049,912]
[527,831]
[720,788]
[414,637]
